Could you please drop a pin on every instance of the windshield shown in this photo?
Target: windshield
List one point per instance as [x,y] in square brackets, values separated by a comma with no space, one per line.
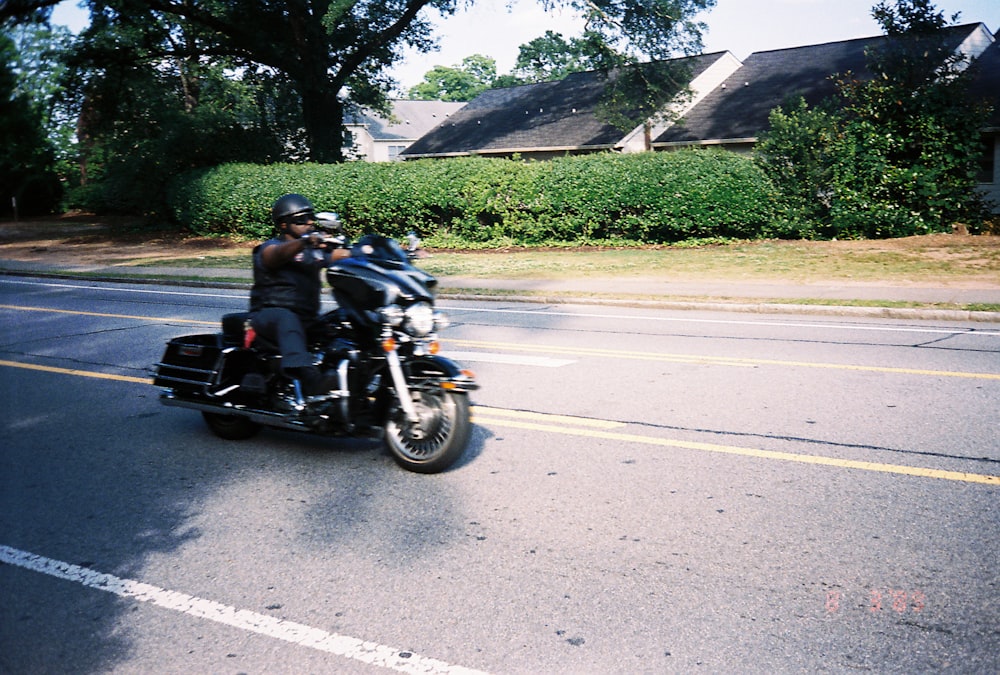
[381,250]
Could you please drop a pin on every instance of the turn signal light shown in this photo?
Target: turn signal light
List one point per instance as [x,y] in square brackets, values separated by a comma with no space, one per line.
[389,345]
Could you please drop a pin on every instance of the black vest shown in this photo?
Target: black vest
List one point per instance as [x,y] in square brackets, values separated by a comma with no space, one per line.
[296,285]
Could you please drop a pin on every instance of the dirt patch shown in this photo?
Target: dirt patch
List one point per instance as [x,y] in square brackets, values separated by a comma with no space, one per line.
[84,240]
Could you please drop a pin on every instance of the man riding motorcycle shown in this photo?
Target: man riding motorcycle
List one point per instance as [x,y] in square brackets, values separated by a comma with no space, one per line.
[285,298]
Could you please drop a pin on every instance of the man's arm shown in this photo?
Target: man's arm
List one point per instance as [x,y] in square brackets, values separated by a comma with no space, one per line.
[277,255]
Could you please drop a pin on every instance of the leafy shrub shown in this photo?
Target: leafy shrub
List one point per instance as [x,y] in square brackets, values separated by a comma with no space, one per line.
[641,198]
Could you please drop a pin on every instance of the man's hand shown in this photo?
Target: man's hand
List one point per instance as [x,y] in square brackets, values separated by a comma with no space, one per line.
[324,241]
[316,240]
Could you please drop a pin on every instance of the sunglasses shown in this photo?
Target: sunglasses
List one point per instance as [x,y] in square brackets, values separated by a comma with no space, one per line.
[302,219]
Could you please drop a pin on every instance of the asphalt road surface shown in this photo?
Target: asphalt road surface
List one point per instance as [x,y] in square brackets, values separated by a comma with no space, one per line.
[645,492]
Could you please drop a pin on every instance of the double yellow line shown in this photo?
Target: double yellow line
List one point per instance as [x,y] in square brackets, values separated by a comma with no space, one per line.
[568,425]
[591,428]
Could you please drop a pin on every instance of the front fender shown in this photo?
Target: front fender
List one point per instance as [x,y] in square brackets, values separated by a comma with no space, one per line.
[449,373]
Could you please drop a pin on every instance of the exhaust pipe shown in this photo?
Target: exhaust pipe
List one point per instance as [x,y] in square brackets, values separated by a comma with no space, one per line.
[262,417]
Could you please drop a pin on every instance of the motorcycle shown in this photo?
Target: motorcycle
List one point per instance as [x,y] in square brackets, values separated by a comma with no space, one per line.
[380,345]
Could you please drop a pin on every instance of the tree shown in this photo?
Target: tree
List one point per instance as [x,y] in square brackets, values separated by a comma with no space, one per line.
[912,132]
[547,58]
[463,82]
[332,53]
[139,127]
[900,153]
[336,52]
[28,72]
[551,57]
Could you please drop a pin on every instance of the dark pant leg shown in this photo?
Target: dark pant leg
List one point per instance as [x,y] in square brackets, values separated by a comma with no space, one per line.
[284,328]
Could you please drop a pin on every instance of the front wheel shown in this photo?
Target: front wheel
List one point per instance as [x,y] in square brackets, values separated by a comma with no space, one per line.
[438,440]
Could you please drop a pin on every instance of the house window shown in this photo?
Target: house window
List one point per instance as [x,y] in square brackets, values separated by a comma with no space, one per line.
[987,161]
[394,152]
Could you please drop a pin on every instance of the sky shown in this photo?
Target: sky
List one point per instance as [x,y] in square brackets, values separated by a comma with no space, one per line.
[497,28]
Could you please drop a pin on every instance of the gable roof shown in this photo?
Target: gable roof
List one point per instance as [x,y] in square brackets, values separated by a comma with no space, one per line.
[738,110]
[557,116]
[410,119]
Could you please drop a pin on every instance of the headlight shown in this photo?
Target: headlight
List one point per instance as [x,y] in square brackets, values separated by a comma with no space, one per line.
[419,319]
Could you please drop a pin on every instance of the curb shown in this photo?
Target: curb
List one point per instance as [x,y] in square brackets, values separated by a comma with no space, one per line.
[456,293]
[749,307]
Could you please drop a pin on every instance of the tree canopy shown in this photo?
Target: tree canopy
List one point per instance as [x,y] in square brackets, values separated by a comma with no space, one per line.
[226,78]
[553,57]
[30,127]
[464,82]
[543,59]
[337,53]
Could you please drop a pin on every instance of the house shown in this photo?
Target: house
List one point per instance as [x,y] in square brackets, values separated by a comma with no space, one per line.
[548,119]
[378,139]
[735,113]
[729,108]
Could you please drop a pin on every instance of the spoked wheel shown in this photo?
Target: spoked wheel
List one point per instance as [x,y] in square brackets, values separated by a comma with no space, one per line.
[231,427]
[440,437]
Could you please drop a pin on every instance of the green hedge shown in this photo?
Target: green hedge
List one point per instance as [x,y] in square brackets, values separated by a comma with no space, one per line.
[643,198]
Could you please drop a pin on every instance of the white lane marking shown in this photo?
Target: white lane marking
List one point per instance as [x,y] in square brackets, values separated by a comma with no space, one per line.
[510,359]
[130,290]
[585,315]
[727,322]
[289,631]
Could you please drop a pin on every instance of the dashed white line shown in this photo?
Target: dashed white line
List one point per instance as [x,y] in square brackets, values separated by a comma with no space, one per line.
[288,631]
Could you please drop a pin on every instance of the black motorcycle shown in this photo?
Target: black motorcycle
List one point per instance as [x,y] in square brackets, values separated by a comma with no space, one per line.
[379,343]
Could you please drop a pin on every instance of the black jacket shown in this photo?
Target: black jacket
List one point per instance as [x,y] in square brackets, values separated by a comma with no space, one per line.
[296,285]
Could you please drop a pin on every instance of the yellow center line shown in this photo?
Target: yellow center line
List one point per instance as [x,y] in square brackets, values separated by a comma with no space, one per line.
[78,373]
[745,452]
[714,360]
[596,428]
[543,417]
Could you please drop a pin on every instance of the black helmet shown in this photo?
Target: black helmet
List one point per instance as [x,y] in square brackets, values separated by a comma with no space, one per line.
[289,206]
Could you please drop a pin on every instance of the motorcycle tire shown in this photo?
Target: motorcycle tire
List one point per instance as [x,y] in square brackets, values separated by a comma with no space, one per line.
[231,427]
[445,427]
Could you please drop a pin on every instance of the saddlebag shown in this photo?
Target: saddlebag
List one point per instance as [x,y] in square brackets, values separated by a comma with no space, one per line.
[191,364]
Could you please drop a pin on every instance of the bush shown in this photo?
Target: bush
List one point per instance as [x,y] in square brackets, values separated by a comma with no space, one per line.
[649,198]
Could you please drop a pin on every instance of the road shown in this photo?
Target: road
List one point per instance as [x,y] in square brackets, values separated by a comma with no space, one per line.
[645,491]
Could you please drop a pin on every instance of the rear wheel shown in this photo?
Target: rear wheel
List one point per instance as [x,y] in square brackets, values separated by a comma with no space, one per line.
[231,427]
[440,437]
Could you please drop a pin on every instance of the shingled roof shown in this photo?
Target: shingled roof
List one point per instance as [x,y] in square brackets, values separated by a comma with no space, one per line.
[410,119]
[549,117]
[737,111]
